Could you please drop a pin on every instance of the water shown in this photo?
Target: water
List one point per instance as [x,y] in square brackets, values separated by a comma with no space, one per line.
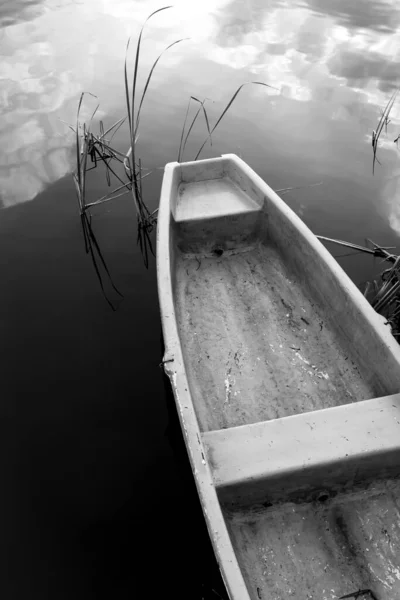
[98,497]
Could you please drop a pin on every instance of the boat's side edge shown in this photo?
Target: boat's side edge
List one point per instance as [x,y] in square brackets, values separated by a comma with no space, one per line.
[175,369]
[375,321]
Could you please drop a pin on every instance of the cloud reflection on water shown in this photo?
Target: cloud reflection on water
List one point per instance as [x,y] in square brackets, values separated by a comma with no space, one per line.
[24,10]
[338,59]
[382,17]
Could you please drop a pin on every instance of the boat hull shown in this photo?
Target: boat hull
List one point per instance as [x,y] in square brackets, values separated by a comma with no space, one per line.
[274,358]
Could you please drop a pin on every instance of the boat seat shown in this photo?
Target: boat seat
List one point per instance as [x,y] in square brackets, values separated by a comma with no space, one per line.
[306,455]
[212,198]
[215,214]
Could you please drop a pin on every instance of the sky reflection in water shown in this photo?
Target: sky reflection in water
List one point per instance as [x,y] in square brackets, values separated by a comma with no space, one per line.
[334,65]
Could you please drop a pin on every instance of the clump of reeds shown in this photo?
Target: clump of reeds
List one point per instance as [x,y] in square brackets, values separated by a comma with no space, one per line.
[383,293]
[133,166]
[98,148]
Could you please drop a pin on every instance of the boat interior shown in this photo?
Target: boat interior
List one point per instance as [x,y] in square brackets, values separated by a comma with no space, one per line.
[295,393]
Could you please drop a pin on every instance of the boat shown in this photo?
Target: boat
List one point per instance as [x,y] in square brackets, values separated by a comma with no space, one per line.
[286,383]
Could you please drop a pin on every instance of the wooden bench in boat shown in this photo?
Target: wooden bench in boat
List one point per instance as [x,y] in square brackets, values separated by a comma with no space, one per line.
[300,455]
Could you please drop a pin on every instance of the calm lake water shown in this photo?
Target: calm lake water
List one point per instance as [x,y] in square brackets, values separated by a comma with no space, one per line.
[98,500]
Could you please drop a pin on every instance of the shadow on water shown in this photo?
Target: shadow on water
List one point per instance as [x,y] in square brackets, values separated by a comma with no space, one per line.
[98,499]
[157,543]
[210,584]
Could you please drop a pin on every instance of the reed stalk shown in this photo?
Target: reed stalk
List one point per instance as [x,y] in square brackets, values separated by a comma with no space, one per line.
[383,123]
[383,295]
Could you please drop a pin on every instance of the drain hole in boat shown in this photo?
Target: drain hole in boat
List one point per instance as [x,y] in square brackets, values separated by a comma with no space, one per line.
[217,251]
[323,497]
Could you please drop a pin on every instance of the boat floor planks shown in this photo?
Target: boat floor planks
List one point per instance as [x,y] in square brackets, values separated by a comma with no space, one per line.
[256,348]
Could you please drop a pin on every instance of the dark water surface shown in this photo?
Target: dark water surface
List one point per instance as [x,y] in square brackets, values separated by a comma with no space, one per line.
[98,500]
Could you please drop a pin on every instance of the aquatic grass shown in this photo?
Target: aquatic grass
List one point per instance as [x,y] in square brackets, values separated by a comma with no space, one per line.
[378,251]
[386,120]
[98,148]
[227,107]
[383,295]
[150,76]
[182,144]
[383,122]
[145,220]
[93,248]
[390,286]
[85,147]
[111,196]
[104,150]
[297,187]
[82,152]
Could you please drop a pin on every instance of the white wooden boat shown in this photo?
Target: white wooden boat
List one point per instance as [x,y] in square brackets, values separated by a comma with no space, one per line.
[286,382]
